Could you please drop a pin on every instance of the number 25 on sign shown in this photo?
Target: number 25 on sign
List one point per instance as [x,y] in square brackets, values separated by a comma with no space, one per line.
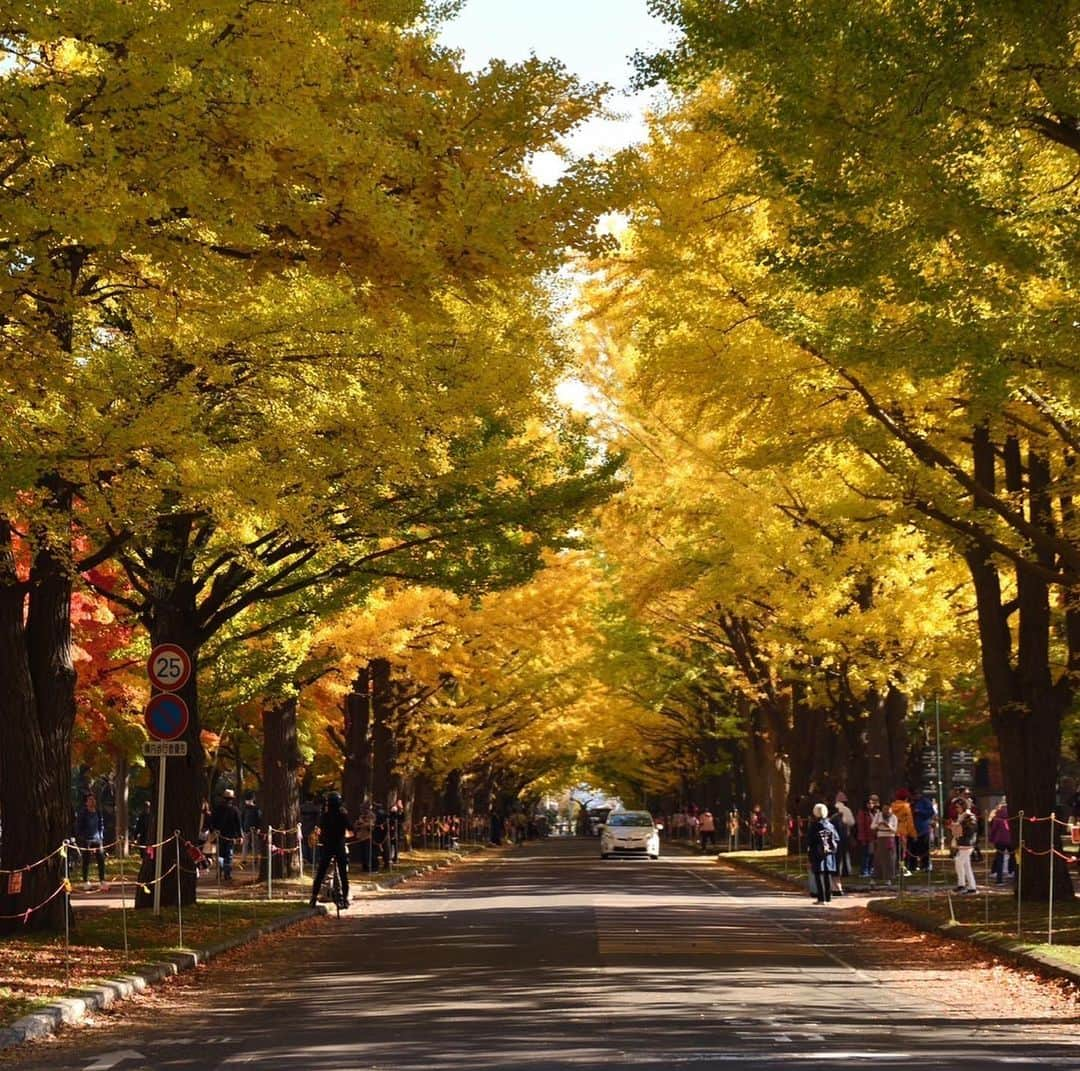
[169,667]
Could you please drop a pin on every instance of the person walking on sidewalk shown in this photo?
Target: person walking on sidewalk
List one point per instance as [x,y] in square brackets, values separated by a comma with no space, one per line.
[965,831]
[822,843]
[90,837]
[707,829]
[225,824]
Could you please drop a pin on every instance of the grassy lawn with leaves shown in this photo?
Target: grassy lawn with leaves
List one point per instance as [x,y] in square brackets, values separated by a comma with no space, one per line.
[34,968]
[996,916]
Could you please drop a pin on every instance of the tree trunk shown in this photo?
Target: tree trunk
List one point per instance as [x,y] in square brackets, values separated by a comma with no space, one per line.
[383,783]
[1026,705]
[280,788]
[357,739]
[121,769]
[37,712]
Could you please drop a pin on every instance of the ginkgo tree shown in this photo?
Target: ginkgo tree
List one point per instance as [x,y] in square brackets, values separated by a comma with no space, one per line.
[900,201]
[292,340]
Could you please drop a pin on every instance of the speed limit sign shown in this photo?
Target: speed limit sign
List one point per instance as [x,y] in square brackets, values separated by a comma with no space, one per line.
[169,667]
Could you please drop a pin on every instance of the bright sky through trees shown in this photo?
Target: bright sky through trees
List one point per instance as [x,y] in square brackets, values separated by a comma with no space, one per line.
[594,38]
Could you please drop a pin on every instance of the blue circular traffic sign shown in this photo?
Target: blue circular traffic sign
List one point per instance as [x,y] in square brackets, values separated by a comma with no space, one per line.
[166,716]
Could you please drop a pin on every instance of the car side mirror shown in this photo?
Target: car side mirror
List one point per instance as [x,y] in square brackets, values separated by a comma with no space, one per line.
[659,827]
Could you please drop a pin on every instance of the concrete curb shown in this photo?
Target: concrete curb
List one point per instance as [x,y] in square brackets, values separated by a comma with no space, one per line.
[1016,952]
[69,1011]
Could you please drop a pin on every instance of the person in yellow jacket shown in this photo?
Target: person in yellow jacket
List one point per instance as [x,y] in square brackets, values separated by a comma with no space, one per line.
[905,829]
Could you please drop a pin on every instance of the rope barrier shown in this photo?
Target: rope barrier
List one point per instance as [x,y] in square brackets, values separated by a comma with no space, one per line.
[63,887]
[32,866]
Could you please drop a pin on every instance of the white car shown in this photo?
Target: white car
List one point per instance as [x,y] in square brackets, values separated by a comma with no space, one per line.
[630,833]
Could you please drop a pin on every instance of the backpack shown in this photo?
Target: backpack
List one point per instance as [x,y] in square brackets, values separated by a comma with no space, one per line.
[829,840]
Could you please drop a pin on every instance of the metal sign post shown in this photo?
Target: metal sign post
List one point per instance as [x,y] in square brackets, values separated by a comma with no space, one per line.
[159,839]
[163,749]
[169,669]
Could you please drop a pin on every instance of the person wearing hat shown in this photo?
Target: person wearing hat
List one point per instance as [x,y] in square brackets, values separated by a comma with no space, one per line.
[226,826]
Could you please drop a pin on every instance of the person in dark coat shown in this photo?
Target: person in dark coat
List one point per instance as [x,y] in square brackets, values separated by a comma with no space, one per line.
[822,843]
[90,837]
[141,831]
[333,830]
[225,823]
[380,840]
[251,821]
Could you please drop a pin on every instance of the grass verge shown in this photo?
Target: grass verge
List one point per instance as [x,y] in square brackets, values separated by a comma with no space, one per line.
[35,969]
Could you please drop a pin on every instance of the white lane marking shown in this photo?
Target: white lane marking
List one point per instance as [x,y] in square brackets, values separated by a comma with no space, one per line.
[109,1060]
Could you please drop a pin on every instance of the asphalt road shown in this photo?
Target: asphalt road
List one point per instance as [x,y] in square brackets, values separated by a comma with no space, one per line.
[547,958]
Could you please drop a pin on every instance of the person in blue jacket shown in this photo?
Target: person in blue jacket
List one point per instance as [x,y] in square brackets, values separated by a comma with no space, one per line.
[923,812]
[822,844]
[90,837]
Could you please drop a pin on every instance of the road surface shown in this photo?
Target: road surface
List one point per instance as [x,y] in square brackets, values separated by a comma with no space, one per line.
[547,958]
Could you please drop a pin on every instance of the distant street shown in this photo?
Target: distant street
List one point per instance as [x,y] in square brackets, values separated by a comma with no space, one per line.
[547,958]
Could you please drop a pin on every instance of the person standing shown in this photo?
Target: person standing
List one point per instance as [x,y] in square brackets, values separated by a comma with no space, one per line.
[965,831]
[397,829]
[332,832]
[251,821]
[225,824]
[884,829]
[759,828]
[865,835]
[141,829]
[905,830]
[822,843]
[923,813]
[838,816]
[90,837]
[1000,834]
[380,841]
[707,829]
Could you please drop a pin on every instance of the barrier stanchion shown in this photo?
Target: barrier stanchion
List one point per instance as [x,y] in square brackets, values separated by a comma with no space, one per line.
[300,854]
[986,872]
[1020,878]
[269,862]
[217,870]
[67,916]
[179,893]
[123,906]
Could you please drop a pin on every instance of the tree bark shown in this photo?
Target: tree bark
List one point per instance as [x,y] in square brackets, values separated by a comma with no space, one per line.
[121,768]
[280,788]
[37,713]
[383,783]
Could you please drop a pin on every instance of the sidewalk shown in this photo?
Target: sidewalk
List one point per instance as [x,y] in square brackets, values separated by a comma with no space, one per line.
[987,921]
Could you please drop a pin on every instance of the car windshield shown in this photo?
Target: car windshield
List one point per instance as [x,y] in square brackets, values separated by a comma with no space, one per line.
[630,820]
